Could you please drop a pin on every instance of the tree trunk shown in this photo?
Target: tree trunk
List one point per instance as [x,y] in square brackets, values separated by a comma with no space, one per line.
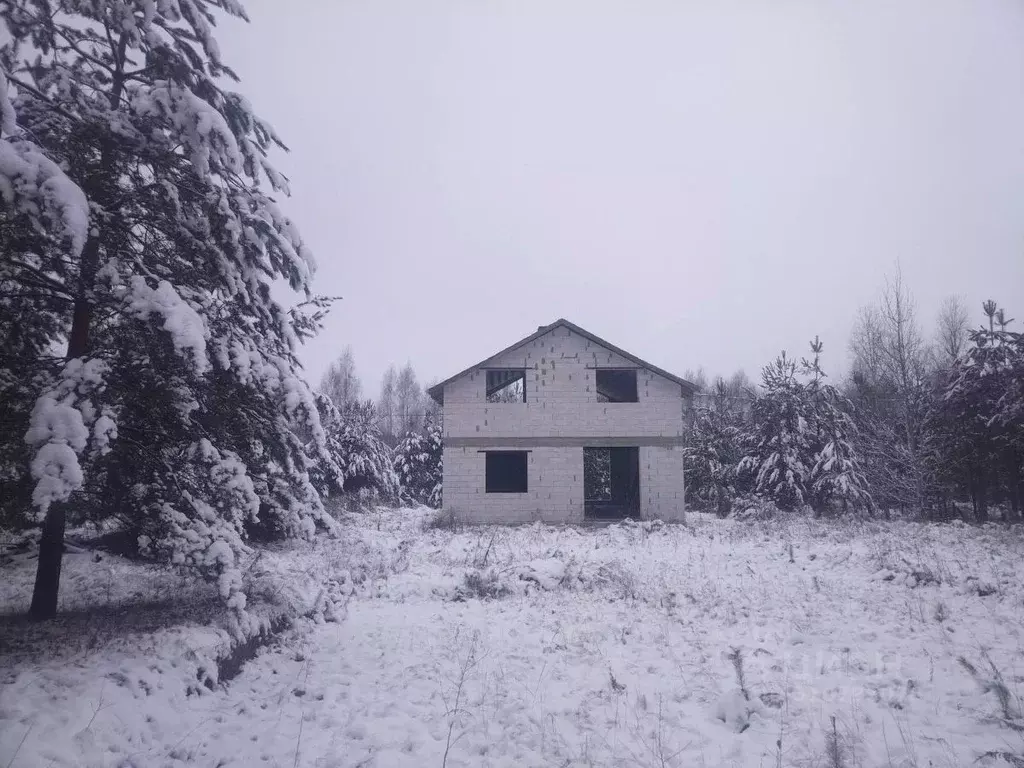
[981,499]
[51,543]
[722,504]
[51,553]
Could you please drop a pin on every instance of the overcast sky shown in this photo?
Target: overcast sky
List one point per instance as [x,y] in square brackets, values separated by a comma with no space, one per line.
[703,183]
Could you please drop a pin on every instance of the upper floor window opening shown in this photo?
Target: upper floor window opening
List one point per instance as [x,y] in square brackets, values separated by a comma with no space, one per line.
[616,385]
[507,385]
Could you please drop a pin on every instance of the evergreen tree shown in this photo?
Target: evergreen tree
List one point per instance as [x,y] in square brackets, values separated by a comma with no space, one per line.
[836,474]
[716,447]
[360,461]
[783,451]
[801,443]
[983,414]
[418,464]
[140,238]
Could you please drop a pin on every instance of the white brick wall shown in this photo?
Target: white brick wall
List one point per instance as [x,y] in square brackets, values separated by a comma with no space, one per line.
[661,483]
[555,486]
[554,482]
[560,396]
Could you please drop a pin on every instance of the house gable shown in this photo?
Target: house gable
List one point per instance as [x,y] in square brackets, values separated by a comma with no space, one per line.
[528,354]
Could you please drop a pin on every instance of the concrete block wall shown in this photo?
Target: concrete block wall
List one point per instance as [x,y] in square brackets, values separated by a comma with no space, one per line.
[554,488]
[561,396]
[662,488]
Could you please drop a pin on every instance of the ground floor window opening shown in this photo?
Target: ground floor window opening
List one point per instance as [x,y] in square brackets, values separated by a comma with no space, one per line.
[506,472]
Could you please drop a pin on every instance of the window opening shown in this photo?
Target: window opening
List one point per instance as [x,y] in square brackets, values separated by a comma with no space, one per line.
[616,385]
[506,386]
[506,472]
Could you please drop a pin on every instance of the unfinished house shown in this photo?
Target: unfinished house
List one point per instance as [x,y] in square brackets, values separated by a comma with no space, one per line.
[563,427]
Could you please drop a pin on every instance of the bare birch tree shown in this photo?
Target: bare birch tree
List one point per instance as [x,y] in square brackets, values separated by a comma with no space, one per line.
[890,386]
[408,401]
[951,337]
[340,382]
[386,405]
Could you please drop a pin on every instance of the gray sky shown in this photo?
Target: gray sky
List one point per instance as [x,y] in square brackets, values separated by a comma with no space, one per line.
[702,183]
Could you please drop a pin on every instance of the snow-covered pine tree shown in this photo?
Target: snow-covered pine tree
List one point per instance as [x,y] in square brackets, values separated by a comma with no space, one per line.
[360,462]
[782,451]
[983,412]
[418,464]
[836,475]
[137,227]
[716,446]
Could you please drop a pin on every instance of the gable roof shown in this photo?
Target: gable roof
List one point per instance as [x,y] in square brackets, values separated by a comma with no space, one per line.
[437,391]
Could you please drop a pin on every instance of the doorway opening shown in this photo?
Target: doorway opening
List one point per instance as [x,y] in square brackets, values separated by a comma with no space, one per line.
[611,483]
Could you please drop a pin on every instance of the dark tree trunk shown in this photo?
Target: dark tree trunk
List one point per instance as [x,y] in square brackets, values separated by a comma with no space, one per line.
[51,543]
[722,503]
[51,553]
[981,498]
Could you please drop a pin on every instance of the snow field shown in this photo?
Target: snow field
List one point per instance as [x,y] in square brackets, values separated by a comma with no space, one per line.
[788,643]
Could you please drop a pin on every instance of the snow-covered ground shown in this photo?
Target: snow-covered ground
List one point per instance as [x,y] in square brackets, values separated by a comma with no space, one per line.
[714,643]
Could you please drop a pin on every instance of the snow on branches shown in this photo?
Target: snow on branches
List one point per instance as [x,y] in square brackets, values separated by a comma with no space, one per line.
[418,464]
[358,459]
[193,122]
[59,430]
[181,321]
[138,231]
[802,454]
[34,186]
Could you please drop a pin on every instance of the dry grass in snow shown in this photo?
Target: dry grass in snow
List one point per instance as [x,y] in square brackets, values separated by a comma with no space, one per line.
[792,643]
